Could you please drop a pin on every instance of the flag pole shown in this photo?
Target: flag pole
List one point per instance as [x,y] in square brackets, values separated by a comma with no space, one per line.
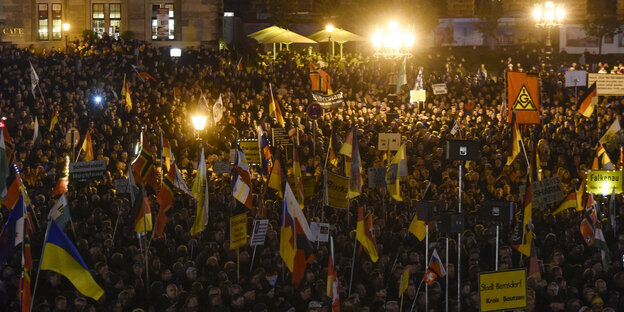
[328,148]
[447,275]
[161,159]
[352,263]
[427,259]
[416,296]
[45,239]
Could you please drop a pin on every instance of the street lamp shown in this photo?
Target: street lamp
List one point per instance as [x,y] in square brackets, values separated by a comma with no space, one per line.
[66,31]
[329,28]
[199,123]
[393,41]
[548,15]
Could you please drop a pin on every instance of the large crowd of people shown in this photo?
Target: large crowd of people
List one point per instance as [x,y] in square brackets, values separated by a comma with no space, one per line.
[201,273]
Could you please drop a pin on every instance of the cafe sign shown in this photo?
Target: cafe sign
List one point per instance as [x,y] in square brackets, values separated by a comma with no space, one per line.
[603,182]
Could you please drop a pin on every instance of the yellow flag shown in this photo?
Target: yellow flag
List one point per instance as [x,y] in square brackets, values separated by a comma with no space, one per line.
[417,227]
[404,281]
[393,173]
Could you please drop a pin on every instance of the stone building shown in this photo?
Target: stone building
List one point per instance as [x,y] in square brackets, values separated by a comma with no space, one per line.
[40,22]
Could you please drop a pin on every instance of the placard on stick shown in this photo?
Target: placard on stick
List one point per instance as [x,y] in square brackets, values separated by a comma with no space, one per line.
[389,141]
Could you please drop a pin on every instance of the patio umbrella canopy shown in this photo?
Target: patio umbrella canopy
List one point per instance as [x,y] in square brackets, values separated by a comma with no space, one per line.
[337,35]
[276,34]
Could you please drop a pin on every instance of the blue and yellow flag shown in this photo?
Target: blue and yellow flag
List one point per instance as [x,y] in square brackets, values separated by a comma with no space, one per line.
[397,168]
[62,257]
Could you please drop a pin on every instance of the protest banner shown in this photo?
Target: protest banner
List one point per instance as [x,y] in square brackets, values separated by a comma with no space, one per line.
[503,290]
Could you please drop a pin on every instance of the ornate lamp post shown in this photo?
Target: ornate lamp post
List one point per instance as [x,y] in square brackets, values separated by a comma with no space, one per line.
[548,15]
[66,31]
[393,41]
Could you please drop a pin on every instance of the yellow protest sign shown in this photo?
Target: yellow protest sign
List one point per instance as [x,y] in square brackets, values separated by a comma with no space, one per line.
[336,190]
[252,151]
[309,184]
[238,231]
[503,290]
[603,181]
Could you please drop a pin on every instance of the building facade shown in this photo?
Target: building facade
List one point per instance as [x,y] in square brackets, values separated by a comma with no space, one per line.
[40,22]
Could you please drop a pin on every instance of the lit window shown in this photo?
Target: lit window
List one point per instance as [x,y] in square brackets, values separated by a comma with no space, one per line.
[114,13]
[99,23]
[171,23]
[170,6]
[57,22]
[43,22]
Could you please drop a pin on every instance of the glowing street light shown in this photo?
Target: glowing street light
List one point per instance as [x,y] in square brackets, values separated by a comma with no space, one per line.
[329,28]
[393,40]
[65,27]
[199,122]
[548,15]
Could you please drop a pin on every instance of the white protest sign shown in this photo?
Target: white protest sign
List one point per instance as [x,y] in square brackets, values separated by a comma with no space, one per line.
[575,78]
[547,191]
[439,88]
[389,141]
[258,233]
[320,231]
[607,84]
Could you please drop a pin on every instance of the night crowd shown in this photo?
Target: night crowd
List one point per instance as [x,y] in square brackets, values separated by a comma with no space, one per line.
[199,273]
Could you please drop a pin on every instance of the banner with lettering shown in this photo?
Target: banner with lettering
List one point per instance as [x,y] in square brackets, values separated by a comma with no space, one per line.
[336,190]
[328,101]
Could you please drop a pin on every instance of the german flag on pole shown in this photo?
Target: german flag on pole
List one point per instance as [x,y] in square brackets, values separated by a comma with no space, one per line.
[142,213]
[588,102]
[569,202]
[239,66]
[142,73]
[143,168]
[274,108]
[523,96]
[164,199]
[364,234]
[87,147]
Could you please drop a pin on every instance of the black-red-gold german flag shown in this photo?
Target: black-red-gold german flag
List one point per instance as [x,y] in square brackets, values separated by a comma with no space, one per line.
[588,102]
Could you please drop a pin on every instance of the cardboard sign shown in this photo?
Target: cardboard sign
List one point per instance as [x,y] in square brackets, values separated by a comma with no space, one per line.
[238,231]
[604,181]
[389,141]
[221,166]
[607,84]
[439,88]
[87,170]
[328,101]
[252,150]
[320,231]
[503,290]
[376,177]
[258,234]
[418,96]
[336,190]
[575,78]
[280,137]
[547,191]
[121,186]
